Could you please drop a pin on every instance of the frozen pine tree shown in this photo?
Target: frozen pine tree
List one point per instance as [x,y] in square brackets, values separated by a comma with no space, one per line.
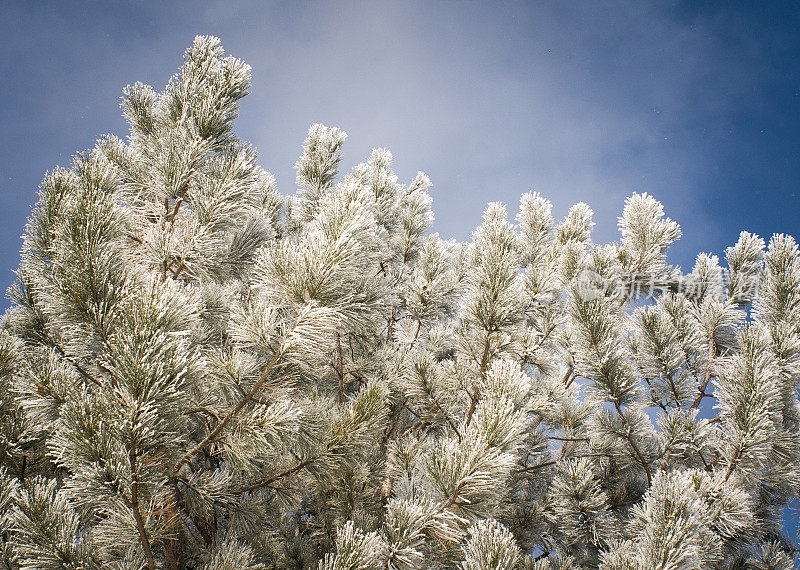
[199,372]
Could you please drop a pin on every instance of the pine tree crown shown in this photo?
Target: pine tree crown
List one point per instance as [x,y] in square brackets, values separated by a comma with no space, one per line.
[200,372]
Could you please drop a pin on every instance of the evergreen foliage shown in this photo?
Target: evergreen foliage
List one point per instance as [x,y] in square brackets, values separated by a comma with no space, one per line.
[198,372]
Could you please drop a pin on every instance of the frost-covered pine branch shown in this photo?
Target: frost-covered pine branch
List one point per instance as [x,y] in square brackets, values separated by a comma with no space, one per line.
[200,372]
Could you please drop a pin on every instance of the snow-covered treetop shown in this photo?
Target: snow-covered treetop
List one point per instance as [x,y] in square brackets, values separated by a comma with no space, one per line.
[200,372]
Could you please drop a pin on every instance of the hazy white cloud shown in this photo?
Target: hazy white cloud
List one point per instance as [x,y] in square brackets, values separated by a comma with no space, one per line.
[589,102]
[579,101]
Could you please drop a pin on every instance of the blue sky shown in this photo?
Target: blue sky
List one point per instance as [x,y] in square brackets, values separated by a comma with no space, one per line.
[697,103]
